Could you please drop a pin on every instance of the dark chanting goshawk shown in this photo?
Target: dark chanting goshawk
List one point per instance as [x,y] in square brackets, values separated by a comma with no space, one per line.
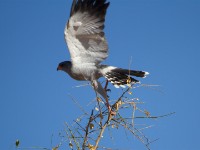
[88,47]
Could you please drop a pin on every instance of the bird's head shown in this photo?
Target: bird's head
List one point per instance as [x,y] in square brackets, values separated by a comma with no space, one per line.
[64,66]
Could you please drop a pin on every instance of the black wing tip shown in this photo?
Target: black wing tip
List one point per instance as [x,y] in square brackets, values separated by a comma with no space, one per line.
[72,7]
[98,7]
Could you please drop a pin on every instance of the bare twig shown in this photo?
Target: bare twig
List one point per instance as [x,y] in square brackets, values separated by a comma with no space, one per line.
[87,130]
[101,133]
[73,136]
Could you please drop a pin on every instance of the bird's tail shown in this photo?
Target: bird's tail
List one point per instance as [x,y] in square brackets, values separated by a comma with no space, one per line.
[121,77]
[136,73]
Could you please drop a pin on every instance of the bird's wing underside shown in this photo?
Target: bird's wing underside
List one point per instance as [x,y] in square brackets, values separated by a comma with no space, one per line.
[84,31]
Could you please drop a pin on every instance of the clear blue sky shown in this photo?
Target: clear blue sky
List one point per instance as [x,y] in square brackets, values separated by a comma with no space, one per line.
[161,36]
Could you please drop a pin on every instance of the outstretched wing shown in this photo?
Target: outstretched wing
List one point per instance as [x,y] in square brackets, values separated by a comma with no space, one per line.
[84,31]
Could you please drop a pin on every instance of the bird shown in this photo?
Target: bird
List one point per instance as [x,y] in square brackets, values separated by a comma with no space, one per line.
[88,47]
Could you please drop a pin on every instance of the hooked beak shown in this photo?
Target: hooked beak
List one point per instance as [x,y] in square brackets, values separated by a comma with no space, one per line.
[59,68]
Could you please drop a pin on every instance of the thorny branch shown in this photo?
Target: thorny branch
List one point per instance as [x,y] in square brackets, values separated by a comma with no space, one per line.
[88,136]
[87,130]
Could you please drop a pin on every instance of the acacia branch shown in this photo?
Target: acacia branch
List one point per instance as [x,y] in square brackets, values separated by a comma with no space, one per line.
[87,130]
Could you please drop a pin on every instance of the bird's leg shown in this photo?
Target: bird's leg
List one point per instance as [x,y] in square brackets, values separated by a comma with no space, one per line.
[106,85]
[99,89]
[107,102]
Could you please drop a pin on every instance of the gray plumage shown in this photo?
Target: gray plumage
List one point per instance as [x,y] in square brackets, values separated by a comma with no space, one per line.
[88,47]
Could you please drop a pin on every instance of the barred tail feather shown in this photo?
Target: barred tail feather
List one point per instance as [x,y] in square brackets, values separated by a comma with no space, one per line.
[120,77]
